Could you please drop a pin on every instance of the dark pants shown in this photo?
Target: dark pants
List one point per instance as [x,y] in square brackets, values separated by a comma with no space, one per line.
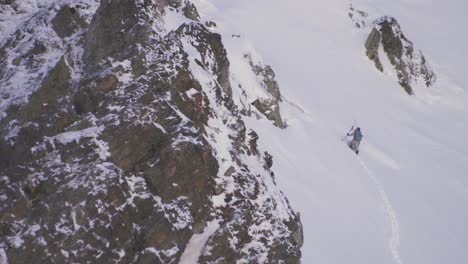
[354,145]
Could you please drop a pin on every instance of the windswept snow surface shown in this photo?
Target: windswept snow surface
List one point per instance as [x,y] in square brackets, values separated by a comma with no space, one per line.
[405,198]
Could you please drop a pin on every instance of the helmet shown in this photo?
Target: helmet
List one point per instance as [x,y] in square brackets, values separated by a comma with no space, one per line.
[358,129]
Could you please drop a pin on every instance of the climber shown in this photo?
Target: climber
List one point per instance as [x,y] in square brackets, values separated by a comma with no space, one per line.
[357,137]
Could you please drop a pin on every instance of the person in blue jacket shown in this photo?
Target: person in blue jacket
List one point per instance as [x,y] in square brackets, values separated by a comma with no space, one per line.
[357,137]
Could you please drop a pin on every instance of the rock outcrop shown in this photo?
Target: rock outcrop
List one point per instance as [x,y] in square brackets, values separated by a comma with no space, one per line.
[410,65]
[268,103]
[120,141]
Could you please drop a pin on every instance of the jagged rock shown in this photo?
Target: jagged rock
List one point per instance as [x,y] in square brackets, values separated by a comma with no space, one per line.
[253,139]
[30,58]
[48,96]
[190,11]
[425,71]
[410,65]
[268,106]
[190,98]
[114,32]
[268,77]
[268,160]
[3,62]
[372,48]
[87,100]
[130,146]
[298,232]
[108,84]
[6,2]
[46,113]
[210,24]
[270,109]
[230,171]
[212,43]
[67,21]
[186,171]
[119,156]
[177,4]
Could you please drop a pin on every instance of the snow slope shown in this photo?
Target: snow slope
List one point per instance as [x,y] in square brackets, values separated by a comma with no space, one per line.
[405,198]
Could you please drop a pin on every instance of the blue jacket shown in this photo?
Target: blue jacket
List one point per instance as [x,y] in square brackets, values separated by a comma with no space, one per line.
[357,135]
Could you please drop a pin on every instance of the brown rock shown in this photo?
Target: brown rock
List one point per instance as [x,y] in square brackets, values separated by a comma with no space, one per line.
[108,84]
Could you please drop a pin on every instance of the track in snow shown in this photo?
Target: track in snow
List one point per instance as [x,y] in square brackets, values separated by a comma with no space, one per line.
[395,237]
[394,242]
[296,105]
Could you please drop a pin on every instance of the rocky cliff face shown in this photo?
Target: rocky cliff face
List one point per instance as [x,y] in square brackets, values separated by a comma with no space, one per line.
[269,103]
[386,41]
[120,141]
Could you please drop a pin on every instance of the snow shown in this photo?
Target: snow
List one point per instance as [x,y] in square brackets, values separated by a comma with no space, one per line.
[173,19]
[76,226]
[41,241]
[168,252]
[394,241]
[121,254]
[219,133]
[32,18]
[63,228]
[16,241]
[3,256]
[404,199]
[90,132]
[75,136]
[240,67]
[126,77]
[379,156]
[197,242]
[65,253]
[158,126]
[219,200]
[191,92]
[14,130]
[33,229]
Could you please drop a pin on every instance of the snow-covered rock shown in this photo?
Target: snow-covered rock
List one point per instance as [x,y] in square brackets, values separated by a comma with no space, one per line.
[121,141]
[387,43]
[410,64]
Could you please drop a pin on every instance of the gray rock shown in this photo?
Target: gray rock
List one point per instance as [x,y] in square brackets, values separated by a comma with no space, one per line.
[67,21]
[270,106]
[209,42]
[190,11]
[117,163]
[6,2]
[410,65]
[108,84]
[113,32]
[87,100]
[210,24]
[372,48]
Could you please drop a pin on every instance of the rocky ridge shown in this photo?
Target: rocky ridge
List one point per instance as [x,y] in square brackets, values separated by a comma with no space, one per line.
[121,140]
[387,39]
[269,103]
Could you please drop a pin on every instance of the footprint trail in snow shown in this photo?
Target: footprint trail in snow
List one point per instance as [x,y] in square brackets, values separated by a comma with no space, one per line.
[394,242]
[395,227]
